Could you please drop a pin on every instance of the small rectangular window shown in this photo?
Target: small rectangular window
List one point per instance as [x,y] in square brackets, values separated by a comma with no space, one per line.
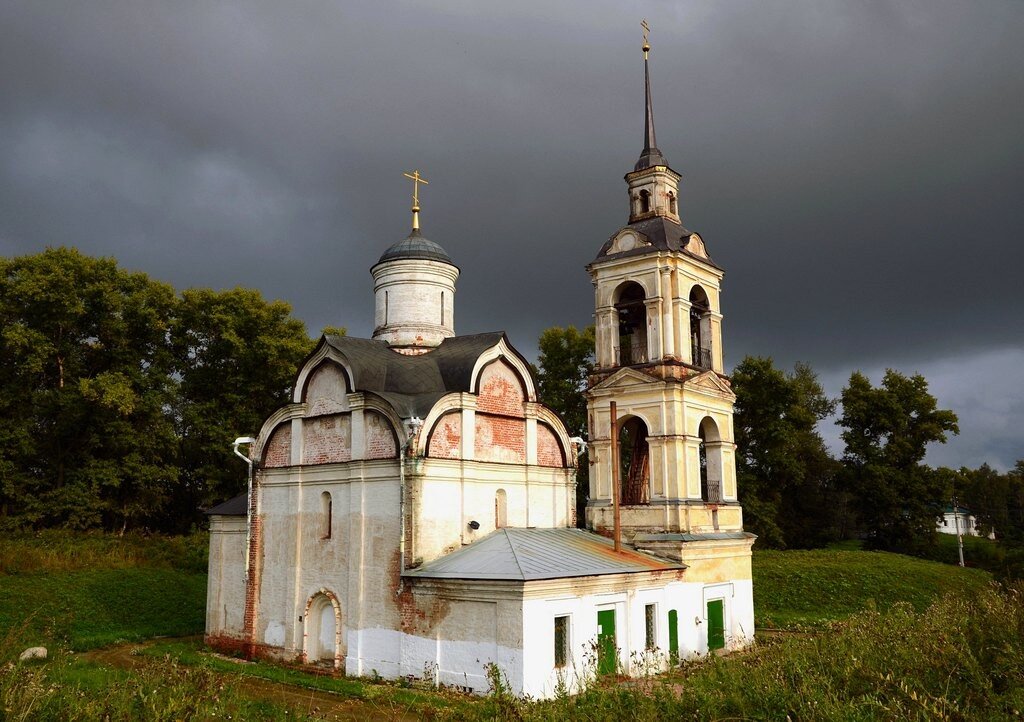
[561,641]
[651,632]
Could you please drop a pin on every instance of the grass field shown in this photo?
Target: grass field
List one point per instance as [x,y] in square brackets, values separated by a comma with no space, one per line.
[81,591]
[809,588]
[915,639]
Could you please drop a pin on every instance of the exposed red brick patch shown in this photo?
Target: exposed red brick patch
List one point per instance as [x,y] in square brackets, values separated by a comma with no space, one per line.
[327,439]
[380,437]
[501,439]
[501,390]
[549,451]
[278,451]
[446,437]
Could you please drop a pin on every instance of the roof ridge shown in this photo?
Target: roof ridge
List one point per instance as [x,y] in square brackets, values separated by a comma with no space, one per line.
[515,555]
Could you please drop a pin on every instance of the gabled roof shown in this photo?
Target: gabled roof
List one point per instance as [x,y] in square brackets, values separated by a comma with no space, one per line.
[231,507]
[413,384]
[529,554]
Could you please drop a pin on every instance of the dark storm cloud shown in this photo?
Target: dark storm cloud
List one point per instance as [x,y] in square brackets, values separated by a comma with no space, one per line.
[855,167]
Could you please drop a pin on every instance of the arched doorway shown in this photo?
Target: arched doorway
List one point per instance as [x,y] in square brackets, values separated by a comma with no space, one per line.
[710,461]
[700,328]
[322,628]
[632,313]
[634,462]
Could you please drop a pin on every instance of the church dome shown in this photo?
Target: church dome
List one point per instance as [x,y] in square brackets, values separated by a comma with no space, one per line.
[416,246]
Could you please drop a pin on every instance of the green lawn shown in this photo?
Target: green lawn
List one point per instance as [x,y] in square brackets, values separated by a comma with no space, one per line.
[82,591]
[808,588]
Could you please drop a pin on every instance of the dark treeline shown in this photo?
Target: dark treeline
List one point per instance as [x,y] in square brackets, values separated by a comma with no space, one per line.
[795,493]
[119,397]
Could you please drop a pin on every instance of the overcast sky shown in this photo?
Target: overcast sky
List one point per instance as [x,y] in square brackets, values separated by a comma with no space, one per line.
[856,167]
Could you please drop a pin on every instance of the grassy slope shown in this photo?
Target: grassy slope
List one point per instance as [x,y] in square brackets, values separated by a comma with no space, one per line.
[85,591]
[794,588]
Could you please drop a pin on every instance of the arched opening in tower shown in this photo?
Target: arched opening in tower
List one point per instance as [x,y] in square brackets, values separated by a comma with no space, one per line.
[710,461]
[632,314]
[634,462]
[700,328]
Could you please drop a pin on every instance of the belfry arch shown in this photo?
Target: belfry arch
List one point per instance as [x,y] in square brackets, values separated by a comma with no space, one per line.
[710,453]
[631,313]
[700,328]
[634,462]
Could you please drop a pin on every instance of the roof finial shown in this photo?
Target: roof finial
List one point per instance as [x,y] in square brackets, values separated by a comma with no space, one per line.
[416,180]
[650,156]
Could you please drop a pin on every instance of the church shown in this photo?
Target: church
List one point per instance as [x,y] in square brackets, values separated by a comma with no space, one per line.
[411,511]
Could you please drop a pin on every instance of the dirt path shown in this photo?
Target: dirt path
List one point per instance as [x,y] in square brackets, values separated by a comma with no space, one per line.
[318,703]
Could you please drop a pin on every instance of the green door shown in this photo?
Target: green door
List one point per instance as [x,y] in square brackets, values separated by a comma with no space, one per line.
[606,641]
[673,634]
[716,624]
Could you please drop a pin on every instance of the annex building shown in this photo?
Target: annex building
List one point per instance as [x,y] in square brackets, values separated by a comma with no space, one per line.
[412,510]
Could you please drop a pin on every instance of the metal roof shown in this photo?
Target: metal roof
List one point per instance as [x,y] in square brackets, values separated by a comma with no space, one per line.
[413,384]
[231,507]
[529,554]
[416,245]
[662,233]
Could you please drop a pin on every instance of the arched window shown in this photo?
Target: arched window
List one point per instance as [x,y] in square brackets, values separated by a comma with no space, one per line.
[632,313]
[326,515]
[710,461]
[700,328]
[645,201]
[500,509]
[634,462]
[672,203]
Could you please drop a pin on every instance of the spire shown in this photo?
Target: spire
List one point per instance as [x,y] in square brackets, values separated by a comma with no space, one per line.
[650,156]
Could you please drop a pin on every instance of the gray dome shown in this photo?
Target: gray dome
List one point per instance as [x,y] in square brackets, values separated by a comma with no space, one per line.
[416,246]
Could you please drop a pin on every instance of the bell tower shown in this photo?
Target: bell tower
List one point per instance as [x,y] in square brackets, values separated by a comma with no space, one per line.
[659,363]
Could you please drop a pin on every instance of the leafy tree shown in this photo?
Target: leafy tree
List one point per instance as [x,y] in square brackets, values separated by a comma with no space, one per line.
[565,362]
[986,493]
[887,430]
[84,384]
[784,471]
[119,400]
[237,356]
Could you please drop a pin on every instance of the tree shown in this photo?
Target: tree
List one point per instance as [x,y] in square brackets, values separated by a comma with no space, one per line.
[237,356]
[84,384]
[784,471]
[565,362]
[887,431]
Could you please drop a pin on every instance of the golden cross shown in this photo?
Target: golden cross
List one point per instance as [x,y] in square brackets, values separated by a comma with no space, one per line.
[416,180]
[647,30]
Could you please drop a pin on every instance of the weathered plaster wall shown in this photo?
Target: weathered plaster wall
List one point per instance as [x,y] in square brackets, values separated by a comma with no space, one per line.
[327,390]
[445,496]
[327,439]
[225,591]
[446,438]
[455,628]
[357,563]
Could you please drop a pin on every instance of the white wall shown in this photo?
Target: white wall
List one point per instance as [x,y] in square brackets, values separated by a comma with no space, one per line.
[225,586]
[541,678]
